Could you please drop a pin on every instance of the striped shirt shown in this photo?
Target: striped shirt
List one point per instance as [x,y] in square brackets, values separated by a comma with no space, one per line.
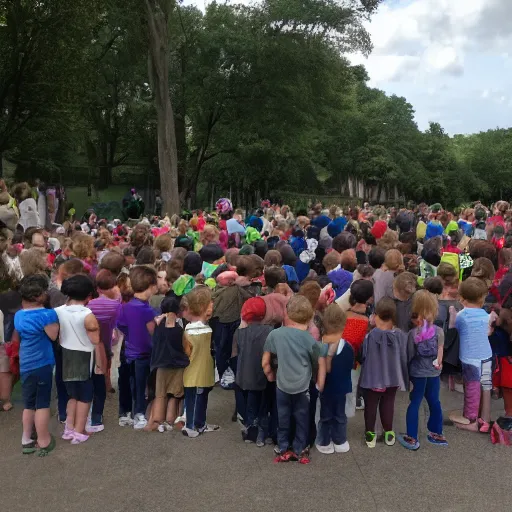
[106,312]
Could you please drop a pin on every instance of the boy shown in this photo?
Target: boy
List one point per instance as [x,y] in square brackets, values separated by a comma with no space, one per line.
[163,286]
[248,343]
[297,352]
[199,377]
[404,286]
[136,322]
[35,329]
[332,428]
[472,324]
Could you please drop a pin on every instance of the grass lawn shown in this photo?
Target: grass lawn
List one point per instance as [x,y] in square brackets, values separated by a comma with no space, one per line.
[78,196]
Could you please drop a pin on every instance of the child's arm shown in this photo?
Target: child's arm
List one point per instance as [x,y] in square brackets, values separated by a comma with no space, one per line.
[93,329]
[267,369]
[52,331]
[187,346]
[322,370]
[15,337]
[331,352]
[150,326]
[440,349]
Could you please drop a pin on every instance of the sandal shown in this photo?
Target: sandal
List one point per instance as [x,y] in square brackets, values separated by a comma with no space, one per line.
[43,452]
[29,448]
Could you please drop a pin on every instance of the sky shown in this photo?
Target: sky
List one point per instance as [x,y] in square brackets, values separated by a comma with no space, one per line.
[451,59]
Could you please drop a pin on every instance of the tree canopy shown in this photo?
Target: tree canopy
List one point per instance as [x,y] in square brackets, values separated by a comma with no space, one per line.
[262,98]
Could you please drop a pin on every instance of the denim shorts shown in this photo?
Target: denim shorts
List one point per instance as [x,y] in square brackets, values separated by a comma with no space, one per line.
[36,388]
[80,390]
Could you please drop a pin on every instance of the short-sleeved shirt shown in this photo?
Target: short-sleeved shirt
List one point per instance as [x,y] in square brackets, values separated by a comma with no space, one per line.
[36,348]
[133,320]
[423,366]
[106,312]
[297,352]
[473,327]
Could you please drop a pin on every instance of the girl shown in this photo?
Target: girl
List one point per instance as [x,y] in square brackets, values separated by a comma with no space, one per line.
[425,351]
[79,337]
[384,371]
[384,276]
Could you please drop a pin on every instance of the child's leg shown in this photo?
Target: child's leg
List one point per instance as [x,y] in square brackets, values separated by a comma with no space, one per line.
[254,399]
[190,406]
[435,420]
[371,404]
[141,374]
[28,417]
[173,409]
[326,420]
[41,421]
[62,394]
[472,391]
[241,402]
[71,414]
[201,407]
[387,408]
[156,415]
[5,390]
[415,397]
[507,401]
[99,398]
[300,408]
[339,421]
[313,397]
[43,399]
[284,414]
[486,385]
[124,389]
[81,413]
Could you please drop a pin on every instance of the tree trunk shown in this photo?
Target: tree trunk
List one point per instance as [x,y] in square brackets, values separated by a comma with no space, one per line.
[158,20]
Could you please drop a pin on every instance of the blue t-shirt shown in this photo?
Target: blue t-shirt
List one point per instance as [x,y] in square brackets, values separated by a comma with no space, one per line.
[36,348]
[473,327]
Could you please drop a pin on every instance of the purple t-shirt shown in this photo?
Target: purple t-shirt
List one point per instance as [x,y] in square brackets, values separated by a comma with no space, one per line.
[106,312]
[134,317]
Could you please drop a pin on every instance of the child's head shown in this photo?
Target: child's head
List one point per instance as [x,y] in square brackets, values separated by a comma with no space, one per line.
[424,307]
[79,288]
[334,320]
[211,253]
[448,275]
[105,280]
[273,258]
[299,310]
[274,275]
[192,264]
[253,310]
[198,304]
[473,292]
[433,285]
[394,260]
[33,288]
[404,285]
[311,290]
[385,310]
[259,265]
[146,256]
[331,261]
[348,260]
[171,304]
[376,257]
[143,279]
[162,278]
[483,269]
[245,266]
[361,291]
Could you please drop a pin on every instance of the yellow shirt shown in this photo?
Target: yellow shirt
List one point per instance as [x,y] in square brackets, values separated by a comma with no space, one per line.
[200,372]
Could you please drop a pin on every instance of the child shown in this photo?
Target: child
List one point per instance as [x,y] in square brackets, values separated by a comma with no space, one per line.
[297,352]
[199,377]
[79,336]
[35,329]
[425,349]
[472,323]
[384,276]
[384,371]
[332,428]
[169,359]
[404,287]
[248,343]
[435,284]
[163,286]
[136,322]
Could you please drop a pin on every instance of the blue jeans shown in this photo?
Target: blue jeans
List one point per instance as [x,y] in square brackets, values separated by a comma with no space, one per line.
[223,341]
[139,373]
[62,394]
[333,420]
[124,389]
[427,387]
[196,403]
[99,397]
[296,406]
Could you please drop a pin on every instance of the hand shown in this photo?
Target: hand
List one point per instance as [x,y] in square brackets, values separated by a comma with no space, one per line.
[271,377]
[98,371]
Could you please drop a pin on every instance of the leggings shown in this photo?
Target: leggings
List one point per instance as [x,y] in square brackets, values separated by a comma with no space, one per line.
[385,402]
[507,399]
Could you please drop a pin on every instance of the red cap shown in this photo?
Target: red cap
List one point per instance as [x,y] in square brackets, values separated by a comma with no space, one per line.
[379,228]
[254,310]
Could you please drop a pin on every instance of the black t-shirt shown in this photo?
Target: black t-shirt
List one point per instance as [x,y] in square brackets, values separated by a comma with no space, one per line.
[167,349]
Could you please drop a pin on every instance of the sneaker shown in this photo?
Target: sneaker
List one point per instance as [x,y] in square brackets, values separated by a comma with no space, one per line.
[304,457]
[126,420]
[277,451]
[94,429]
[189,432]
[408,442]
[359,403]
[437,439]
[389,438]
[260,440]
[342,448]
[79,438]
[164,427]
[269,441]
[209,427]
[288,456]
[370,439]
[68,434]
[326,449]
[139,422]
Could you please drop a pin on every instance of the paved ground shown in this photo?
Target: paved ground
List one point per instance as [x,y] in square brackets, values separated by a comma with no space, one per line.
[124,470]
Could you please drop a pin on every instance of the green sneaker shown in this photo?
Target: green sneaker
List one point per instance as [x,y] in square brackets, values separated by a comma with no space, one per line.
[389,438]
[371,439]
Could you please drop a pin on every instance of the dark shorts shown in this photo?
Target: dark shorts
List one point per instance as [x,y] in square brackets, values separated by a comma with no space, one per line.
[36,388]
[81,390]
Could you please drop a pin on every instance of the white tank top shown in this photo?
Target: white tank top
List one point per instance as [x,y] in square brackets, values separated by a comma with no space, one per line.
[73,334]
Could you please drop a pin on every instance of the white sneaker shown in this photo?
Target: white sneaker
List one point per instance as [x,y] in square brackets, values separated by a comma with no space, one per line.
[126,420]
[139,422]
[209,427]
[326,450]
[342,448]
[360,404]
[94,429]
[164,427]
[189,432]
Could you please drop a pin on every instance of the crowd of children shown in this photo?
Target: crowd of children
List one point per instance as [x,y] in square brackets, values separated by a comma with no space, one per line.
[307,318]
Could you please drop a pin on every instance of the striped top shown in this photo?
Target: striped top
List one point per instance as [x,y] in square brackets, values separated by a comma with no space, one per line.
[106,312]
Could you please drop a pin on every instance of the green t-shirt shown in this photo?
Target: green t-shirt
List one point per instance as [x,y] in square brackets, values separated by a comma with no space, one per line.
[297,352]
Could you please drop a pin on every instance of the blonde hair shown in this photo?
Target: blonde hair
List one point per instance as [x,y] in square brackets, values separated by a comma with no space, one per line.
[299,310]
[425,305]
[394,260]
[83,246]
[405,283]
[198,300]
[331,261]
[163,242]
[334,319]
[209,235]
[389,240]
